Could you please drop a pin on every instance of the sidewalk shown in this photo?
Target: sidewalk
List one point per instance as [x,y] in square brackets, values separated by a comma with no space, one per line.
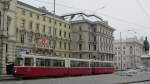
[6,77]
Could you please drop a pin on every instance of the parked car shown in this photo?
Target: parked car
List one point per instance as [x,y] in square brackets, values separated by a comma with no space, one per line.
[132,71]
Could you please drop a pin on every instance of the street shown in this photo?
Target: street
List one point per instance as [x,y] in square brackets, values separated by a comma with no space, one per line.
[96,79]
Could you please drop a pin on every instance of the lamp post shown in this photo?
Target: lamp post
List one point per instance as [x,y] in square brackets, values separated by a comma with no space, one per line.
[134,57]
[121,49]
[54,32]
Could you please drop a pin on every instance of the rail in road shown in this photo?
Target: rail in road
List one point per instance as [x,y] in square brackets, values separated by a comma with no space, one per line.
[95,79]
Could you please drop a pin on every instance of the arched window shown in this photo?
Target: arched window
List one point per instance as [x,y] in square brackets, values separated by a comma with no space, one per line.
[0,19]
[130,49]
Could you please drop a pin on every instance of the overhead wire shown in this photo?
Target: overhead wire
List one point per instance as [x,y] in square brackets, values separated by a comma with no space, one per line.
[143,9]
[118,19]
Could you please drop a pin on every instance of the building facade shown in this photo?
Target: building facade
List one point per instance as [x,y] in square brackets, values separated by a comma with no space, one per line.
[39,31]
[128,53]
[7,33]
[31,30]
[91,39]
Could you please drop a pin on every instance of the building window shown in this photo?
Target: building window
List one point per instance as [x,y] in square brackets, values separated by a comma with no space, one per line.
[23,23]
[69,46]
[49,43]
[69,26]
[55,31]
[30,25]
[80,28]
[69,35]
[49,20]
[49,30]
[124,48]
[94,47]
[8,23]
[22,38]
[60,24]
[89,47]
[94,29]
[0,20]
[124,52]
[60,33]
[80,56]
[80,37]
[29,38]
[23,12]
[60,44]
[115,53]
[6,48]
[80,46]
[31,15]
[44,18]
[65,25]
[65,46]
[38,17]
[130,49]
[43,28]
[64,34]
[37,27]
[94,38]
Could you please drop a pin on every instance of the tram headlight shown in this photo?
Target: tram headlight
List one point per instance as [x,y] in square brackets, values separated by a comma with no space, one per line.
[15,71]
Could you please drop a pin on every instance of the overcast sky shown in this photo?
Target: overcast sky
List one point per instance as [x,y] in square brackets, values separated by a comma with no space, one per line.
[123,15]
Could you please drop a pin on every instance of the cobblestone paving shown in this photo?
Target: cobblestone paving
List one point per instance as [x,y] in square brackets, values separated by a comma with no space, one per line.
[96,79]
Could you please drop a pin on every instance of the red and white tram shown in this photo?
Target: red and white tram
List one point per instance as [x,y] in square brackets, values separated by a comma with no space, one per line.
[37,66]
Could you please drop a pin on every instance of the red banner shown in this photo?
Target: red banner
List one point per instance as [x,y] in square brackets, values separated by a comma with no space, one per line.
[44,42]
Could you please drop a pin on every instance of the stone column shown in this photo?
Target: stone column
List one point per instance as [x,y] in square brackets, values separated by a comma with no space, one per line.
[3,59]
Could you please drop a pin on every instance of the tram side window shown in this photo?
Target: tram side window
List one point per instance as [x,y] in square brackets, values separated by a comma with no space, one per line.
[79,64]
[92,64]
[19,62]
[29,62]
[75,64]
[102,65]
[58,63]
[47,62]
[40,62]
[84,64]
[109,65]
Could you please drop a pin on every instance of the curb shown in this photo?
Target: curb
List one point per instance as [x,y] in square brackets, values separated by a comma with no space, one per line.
[6,77]
[134,81]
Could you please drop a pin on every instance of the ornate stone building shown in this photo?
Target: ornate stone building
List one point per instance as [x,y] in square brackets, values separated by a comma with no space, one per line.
[31,30]
[39,31]
[7,33]
[92,37]
[128,53]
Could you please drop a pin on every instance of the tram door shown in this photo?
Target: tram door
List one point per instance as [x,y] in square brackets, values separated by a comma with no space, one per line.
[9,68]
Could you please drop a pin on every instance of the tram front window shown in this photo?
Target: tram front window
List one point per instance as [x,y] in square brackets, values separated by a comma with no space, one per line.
[29,62]
[19,62]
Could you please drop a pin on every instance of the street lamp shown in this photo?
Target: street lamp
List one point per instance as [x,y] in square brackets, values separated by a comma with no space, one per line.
[121,48]
[134,57]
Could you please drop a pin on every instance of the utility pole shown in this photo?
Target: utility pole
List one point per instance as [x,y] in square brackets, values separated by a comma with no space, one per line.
[121,49]
[54,31]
